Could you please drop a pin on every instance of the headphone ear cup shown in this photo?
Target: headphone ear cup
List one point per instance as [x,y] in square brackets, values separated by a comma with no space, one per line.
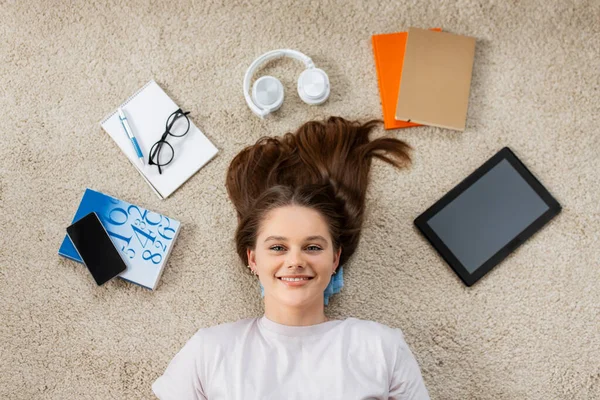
[267,93]
[313,86]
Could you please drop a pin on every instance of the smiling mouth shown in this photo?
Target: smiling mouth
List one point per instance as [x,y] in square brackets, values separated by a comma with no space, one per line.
[283,278]
[295,281]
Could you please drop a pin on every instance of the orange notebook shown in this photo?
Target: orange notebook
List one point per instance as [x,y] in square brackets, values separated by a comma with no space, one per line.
[388,50]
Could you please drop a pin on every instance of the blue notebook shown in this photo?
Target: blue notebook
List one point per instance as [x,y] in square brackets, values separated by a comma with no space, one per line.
[144,238]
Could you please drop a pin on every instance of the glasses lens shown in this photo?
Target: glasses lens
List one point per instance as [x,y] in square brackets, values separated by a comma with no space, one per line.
[161,153]
[179,123]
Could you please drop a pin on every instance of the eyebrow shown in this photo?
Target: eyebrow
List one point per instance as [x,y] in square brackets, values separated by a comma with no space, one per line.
[308,239]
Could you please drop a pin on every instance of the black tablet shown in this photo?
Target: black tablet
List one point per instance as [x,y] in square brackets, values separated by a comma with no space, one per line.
[487,216]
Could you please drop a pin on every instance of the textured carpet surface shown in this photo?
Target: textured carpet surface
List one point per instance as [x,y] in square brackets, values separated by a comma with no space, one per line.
[528,330]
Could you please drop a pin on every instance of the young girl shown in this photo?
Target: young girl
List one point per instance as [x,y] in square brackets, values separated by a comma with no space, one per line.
[300,204]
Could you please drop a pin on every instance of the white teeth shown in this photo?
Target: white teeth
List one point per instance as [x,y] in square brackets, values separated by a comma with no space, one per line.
[294,279]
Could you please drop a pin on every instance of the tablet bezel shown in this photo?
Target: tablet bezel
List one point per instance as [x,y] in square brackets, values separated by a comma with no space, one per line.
[468,278]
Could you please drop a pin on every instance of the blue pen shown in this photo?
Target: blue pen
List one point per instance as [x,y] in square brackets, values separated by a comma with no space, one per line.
[129,133]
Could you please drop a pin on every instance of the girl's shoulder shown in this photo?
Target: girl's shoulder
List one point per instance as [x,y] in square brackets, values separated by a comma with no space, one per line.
[226,330]
[372,328]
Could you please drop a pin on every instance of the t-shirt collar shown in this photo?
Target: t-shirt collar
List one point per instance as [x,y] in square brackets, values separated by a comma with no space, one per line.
[296,331]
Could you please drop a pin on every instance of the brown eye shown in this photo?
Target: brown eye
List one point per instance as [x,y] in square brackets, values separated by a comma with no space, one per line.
[313,248]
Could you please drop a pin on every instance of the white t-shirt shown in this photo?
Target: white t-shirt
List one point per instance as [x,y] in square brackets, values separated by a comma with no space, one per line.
[257,358]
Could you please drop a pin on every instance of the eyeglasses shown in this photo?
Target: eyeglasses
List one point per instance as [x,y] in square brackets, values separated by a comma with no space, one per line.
[162,153]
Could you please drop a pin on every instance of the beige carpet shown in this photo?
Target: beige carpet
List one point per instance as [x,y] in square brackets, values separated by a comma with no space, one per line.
[529,330]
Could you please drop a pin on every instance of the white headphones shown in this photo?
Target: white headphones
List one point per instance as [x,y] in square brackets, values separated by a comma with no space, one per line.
[267,91]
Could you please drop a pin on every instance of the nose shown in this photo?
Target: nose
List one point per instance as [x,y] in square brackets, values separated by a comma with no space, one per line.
[294,258]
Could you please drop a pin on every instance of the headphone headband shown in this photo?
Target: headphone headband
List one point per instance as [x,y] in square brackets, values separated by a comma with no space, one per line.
[271,55]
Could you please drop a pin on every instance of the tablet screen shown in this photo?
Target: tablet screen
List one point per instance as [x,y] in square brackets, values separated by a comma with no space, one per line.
[487,215]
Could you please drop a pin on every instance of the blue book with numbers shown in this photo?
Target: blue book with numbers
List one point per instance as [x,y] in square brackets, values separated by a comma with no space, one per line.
[144,238]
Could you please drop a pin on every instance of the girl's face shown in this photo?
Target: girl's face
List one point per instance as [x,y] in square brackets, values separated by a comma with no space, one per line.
[294,241]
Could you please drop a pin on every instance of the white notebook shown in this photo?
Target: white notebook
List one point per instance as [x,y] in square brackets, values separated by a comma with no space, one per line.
[147,112]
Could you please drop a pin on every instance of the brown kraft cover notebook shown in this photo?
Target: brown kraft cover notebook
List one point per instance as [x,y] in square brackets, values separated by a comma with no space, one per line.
[436,79]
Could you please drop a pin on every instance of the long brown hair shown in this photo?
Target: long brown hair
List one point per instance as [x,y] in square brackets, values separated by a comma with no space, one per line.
[324,166]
